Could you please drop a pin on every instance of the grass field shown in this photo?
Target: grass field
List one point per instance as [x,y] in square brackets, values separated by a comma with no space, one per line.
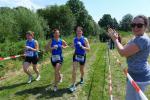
[15,87]
[96,79]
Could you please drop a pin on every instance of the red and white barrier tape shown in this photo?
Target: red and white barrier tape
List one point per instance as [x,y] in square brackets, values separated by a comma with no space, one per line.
[110,85]
[2,78]
[11,57]
[6,58]
[16,56]
[134,84]
[136,87]
[110,78]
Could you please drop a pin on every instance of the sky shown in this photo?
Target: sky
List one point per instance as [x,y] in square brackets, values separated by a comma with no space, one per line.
[96,8]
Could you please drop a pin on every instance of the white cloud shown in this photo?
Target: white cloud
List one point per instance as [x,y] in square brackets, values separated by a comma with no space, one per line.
[25,3]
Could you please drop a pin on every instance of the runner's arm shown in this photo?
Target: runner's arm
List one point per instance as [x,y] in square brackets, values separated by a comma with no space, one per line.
[36,46]
[87,45]
[64,44]
[48,46]
[72,45]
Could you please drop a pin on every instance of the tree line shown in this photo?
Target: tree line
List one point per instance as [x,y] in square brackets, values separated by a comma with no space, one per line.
[123,25]
[107,21]
[14,22]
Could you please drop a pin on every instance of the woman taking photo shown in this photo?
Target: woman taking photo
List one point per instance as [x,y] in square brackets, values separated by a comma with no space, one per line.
[136,52]
[56,45]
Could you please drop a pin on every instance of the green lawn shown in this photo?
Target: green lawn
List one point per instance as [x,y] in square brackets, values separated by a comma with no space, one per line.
[15,88]
[96,79]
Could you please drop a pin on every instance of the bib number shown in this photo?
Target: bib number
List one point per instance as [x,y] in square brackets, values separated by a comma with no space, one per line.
[79,58]
[55,58]
[29,53]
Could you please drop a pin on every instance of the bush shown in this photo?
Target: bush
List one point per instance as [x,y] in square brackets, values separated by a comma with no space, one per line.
[15,22]
[103,37]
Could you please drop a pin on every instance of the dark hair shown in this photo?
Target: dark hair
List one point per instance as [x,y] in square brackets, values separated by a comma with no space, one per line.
[146,22]
[55,30]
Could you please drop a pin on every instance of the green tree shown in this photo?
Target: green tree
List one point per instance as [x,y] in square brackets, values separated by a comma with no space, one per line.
[97,29]
[115,23]
[59,17]
[125,22]
[19,20]
[82,17]
[8,28]
[105,21]
[77,7]
[28,20]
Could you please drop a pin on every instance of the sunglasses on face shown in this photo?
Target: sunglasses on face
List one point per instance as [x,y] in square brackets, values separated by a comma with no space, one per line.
[138,25]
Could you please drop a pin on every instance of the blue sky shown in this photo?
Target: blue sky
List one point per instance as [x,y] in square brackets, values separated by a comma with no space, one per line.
[96,8]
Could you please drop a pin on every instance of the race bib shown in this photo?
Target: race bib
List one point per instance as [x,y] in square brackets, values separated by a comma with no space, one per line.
[29,53]
[55,58]
[79,58]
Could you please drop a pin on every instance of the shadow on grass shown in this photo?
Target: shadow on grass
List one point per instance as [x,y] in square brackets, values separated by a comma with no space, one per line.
[78,83]
[45,92]
[42,92]
[11,86]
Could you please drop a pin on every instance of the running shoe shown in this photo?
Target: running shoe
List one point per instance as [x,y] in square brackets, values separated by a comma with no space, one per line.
[30,79]
[55,88]
[81,81]
[72,88]
[38,78]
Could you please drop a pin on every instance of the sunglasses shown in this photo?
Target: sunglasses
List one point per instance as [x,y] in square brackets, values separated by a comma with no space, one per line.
[138,25]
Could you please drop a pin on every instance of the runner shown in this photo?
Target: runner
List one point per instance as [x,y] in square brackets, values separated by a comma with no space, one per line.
[31,56]
[56,45]
[81,45]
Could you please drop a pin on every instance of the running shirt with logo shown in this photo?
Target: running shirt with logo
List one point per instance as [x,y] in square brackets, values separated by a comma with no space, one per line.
[57,53]
[28,52]
[79,52]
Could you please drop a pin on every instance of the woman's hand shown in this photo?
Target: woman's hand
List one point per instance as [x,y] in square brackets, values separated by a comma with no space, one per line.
[55,46]
[29,48]
[113,34]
